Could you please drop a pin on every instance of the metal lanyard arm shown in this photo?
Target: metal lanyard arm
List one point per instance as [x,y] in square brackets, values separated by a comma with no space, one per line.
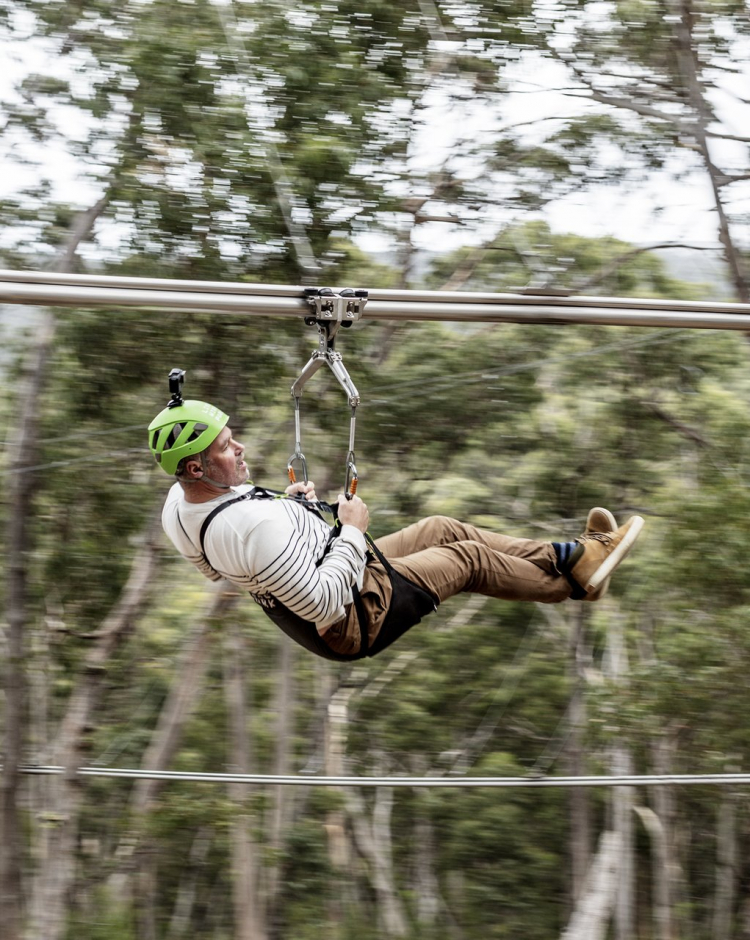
[331,312]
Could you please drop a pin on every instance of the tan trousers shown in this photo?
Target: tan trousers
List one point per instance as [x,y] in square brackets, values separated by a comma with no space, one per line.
[446,557]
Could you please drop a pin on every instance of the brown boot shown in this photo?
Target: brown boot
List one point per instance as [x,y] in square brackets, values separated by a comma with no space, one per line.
[599,553]
[599,520]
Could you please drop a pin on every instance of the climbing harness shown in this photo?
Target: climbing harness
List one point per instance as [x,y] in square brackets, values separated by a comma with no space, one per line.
[331,311]
[303,632]
[409,602]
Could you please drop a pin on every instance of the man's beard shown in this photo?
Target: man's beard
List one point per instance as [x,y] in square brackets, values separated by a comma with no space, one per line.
[238,477]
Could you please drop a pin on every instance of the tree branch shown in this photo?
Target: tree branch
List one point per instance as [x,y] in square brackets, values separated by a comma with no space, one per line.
[685,430]
[582,286]
[717,135]
[727,180]
[81,229]
[617,101]
[637,107]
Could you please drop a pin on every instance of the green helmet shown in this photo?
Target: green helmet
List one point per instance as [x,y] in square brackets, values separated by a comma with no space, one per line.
[182,429]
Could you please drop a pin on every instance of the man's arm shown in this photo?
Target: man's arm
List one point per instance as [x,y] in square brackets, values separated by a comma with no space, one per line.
[283,554]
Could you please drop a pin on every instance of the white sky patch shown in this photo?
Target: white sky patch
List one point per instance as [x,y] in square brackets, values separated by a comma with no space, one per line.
[447,126]
[641,214]
[338,117]
[24,163]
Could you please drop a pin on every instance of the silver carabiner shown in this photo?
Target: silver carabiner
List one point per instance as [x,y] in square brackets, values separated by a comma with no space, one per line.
[350,486]
[298,458]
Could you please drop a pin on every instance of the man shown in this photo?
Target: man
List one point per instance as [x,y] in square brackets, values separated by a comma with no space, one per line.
[323,587]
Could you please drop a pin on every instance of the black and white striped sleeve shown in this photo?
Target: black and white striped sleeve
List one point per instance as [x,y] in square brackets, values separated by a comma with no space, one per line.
[283,555]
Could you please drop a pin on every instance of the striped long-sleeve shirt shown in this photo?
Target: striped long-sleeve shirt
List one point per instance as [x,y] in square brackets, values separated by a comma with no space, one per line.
[273,549]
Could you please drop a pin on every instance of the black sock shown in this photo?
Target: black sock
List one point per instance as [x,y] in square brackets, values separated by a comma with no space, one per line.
[564,552]
[568,554]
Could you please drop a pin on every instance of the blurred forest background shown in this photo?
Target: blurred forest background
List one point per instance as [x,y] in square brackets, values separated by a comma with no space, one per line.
[261,142]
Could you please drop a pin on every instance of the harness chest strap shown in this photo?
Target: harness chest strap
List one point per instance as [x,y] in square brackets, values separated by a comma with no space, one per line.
[304,632]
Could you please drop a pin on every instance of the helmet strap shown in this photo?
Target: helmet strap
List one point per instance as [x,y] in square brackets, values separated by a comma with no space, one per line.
[206,478]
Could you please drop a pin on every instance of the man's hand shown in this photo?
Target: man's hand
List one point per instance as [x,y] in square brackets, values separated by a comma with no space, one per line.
[306,489]
[353,512]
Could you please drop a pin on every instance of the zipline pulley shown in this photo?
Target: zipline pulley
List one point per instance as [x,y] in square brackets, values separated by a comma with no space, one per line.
[331,310]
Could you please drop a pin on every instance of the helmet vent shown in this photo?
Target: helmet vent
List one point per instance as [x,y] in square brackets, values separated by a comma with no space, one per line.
[198,429]
[172,436]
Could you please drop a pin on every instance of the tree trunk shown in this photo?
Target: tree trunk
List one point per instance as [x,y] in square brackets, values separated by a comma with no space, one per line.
[20,492]
[622,798]
[184,693]
[426,883]
[180,920]
[282,796]
[683,18]
[40,737]
[616,667]
[384,882]
[659,877]
[594,908]
[669,888]
[339,852]
[575,758]
[373,841]
[248,913]
[57,849]
[145,894]
[726,867]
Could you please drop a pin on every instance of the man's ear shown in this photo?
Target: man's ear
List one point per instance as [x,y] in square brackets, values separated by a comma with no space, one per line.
[193,470]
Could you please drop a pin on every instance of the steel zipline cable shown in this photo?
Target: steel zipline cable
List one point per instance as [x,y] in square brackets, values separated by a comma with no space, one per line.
[452,782]
[180,296]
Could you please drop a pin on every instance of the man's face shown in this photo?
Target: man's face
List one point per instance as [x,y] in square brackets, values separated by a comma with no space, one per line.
[225,460]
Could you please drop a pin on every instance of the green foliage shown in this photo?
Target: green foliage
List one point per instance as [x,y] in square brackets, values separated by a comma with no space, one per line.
[500,842]
[604,266]
[111,922]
